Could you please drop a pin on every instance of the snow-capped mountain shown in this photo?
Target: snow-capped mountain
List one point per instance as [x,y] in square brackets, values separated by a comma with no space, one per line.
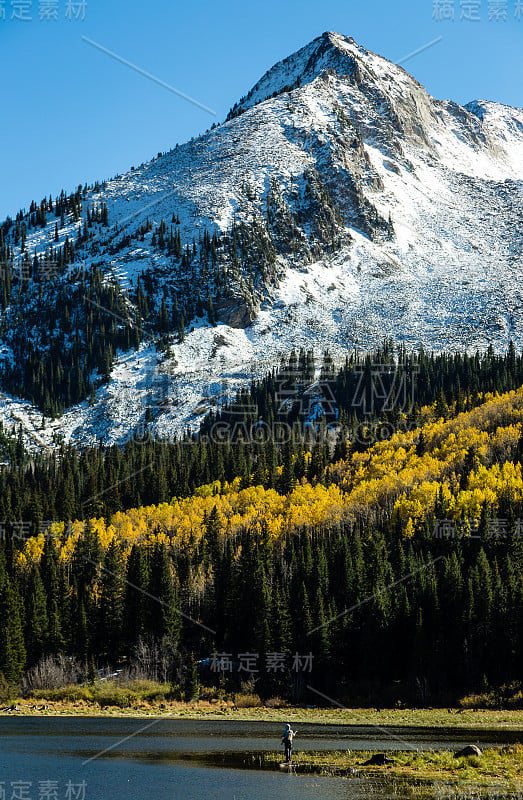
[338,204]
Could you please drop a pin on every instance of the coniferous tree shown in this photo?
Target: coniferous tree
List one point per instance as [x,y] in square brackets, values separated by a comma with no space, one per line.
[136,584]
[12,648]
[50,579]
[111,604]
[163,617]
[191,683]
[36,634]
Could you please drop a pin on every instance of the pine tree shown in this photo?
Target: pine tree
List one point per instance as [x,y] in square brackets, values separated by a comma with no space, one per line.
[164,317]
[111,604]
[181,328]
[12,648]
[191,683]
[136,584]
[288,478]
[36,619]
[162,614]
[210,311]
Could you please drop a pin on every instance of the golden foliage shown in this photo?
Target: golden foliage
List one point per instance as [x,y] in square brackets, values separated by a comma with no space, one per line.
[404,476]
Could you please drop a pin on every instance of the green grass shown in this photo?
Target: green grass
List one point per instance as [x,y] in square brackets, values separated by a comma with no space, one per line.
[498,766]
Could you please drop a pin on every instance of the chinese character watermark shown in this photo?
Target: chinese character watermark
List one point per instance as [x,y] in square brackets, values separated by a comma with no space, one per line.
[249,663]
[495,528]
[42,790]
[48,10]
[473,10]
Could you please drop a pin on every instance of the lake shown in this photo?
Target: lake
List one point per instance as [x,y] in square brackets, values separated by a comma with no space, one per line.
[74,758]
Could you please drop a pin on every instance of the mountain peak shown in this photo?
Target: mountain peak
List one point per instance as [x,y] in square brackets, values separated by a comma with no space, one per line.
[350,207]
[331,50]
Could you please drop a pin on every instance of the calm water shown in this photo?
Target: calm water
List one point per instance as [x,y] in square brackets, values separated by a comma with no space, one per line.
[123,759]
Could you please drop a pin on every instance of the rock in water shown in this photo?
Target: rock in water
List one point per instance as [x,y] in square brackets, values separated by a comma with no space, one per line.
[469,750]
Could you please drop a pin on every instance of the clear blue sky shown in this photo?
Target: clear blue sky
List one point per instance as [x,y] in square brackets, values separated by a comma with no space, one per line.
[71,114]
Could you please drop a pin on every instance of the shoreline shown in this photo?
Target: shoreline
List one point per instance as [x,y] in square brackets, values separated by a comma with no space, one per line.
[440,719]
[497,765]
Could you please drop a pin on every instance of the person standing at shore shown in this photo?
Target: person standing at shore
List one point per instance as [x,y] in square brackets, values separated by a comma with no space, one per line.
[286,739]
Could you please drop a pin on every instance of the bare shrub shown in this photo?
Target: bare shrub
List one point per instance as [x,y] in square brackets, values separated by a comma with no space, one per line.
[153,661]
[52,672]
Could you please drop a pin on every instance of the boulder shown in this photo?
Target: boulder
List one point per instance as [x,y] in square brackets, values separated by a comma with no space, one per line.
[469,750]
[378,760]
[237,315]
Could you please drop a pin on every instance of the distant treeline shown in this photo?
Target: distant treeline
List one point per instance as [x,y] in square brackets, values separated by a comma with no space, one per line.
[97,481]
